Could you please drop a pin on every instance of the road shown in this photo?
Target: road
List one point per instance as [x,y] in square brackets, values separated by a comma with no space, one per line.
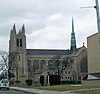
[13,92]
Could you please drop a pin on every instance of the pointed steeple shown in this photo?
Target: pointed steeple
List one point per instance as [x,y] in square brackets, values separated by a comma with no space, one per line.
[23,29]
[20,31]
[73,39]
[14,28]
[11,32]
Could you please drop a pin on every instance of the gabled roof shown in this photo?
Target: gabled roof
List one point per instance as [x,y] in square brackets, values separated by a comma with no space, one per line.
[48,52]
[92,76]
[95,74]
[79,50]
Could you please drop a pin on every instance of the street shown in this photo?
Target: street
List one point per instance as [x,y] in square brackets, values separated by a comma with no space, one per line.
[13,92]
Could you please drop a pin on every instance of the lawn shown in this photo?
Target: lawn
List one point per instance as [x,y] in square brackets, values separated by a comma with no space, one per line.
[73,88]
[94,91]
[59,88]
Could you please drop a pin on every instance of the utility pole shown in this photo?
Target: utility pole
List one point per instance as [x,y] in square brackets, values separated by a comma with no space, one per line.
[98,19]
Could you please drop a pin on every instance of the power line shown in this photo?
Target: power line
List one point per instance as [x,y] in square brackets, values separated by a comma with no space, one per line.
[89,7]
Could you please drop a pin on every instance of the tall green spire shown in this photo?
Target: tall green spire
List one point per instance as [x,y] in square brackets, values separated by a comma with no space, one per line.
[73,39]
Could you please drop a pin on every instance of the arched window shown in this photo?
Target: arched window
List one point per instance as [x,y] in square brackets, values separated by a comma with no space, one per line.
[35,65]
[50,64]
[83,65]
[29,65]
[65,63]
[57,63]
[42,64]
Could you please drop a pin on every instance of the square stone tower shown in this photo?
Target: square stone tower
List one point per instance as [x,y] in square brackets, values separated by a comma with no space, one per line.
[17,50]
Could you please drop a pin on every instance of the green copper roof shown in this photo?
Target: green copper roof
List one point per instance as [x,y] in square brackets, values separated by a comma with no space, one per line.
[72,26]
[73,39]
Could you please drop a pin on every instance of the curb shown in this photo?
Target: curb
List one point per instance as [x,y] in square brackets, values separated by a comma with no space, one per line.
[24,91]
[33,91]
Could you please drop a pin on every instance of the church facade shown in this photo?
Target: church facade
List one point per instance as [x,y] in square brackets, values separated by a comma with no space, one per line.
[32,63]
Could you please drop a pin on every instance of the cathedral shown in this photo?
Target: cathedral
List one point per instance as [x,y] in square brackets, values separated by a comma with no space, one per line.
[32,63]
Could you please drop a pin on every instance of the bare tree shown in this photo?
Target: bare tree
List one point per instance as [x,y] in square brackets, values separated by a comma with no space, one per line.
[13,63]
[66,63]
[61,66]
[4,57]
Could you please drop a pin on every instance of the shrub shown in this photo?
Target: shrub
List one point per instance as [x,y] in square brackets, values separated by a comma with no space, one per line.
[54,80]
[29,82]
[11,82]
[42,80]
[70,82]
[17,82]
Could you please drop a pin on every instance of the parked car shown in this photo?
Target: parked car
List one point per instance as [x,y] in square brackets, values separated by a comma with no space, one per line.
[4,84]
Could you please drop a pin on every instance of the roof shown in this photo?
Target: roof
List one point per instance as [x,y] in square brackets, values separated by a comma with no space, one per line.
[95,74]
[92,35]
[92,76]
[48,52]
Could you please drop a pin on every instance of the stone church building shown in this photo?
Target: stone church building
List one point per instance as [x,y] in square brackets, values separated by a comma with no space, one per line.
[32,63]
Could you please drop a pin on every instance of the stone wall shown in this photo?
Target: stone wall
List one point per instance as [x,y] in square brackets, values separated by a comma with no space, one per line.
[91,82]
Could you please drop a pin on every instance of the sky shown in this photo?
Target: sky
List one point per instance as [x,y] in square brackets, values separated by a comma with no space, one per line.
[48,23]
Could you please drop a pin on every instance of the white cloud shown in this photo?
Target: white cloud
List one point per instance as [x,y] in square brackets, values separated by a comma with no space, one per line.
[51,37]
[47,22]
[4,43]
[57,20]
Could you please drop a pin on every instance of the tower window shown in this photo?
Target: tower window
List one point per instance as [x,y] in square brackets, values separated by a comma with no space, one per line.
[19,57]
[17,42]
[20,42]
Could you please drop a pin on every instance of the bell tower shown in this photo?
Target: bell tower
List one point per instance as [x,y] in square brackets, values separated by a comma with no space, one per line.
[17,46]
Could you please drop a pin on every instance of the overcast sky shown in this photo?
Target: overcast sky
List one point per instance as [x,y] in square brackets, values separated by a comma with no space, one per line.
[48,23]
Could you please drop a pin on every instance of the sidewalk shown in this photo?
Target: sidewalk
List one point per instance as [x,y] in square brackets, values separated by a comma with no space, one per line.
[40,91]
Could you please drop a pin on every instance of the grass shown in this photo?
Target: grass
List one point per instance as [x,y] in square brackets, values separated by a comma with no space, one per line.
[72,88]
[96,91]
[59,88]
